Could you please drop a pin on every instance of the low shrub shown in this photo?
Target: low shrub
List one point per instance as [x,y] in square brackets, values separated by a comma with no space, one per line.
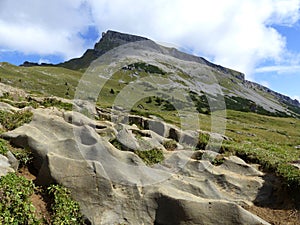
[64,209]
[15,205]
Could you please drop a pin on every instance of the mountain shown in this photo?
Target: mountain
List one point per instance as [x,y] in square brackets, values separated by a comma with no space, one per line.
[239,93]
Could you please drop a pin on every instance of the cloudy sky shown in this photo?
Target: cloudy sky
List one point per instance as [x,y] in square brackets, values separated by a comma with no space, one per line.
[257,37]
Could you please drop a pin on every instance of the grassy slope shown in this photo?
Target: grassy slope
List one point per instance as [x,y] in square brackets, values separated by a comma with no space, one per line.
[41,80]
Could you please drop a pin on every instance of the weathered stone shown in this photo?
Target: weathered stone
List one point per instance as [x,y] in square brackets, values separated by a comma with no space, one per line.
[115,187]
[5,166]
[12,160]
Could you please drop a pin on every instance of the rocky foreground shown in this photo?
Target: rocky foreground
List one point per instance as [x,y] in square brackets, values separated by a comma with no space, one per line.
[95,159]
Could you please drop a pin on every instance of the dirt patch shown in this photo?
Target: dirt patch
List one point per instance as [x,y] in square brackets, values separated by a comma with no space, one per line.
[276,216]
[24,171]
[39,199]
[41,208]
[281,206]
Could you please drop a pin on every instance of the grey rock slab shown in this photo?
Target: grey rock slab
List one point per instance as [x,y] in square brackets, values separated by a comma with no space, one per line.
[115,187]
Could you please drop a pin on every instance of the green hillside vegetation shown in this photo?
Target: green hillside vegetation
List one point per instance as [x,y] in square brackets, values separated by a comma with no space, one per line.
[41,80]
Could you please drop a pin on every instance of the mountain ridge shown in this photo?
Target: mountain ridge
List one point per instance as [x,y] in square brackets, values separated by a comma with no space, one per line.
[113,39]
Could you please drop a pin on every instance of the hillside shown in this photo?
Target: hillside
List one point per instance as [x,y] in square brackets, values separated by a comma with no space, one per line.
[239,94]
[144,134]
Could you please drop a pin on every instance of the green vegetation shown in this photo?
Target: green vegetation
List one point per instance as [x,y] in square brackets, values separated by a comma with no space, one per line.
[41,80]
[148,68]
[24,156]
[269,141]
[11,121]
[64,209]
[200,102]
[170,145]
[3,147]
[150,157]
[53,102]
[246,105]
[15,205]
[202,141]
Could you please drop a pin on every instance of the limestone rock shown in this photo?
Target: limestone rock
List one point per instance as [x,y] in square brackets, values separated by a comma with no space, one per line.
[5,166]
[116,187]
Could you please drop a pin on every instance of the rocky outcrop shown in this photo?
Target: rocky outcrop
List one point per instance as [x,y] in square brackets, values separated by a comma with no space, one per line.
[5,165]
[282,98]
[116,187]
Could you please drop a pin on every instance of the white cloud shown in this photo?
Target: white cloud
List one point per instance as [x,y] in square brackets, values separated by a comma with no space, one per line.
[43,27]
[233,33]
[281,69]
[43,61]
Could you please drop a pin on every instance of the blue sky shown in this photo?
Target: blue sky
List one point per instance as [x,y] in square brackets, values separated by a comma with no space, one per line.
[257,37]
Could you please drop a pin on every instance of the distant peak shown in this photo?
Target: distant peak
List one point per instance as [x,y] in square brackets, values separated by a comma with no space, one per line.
[110,34]
[114,39]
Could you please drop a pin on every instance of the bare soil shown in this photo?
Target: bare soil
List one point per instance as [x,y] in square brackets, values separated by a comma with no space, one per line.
[277,216]
[38,199]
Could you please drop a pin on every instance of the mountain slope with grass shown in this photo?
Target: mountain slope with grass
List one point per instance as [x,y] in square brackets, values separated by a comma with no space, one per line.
[239,94]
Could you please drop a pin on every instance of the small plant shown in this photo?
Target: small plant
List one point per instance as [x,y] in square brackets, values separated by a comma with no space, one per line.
[15,205]
[150,157]
[11,121]
[118,145]
[53,102]
[3,147]
[149,100]
[218,160]
[64,209]
[202,140]
[170,145]
[24,156]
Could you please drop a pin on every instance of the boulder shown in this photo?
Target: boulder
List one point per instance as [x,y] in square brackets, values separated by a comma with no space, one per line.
[5,166]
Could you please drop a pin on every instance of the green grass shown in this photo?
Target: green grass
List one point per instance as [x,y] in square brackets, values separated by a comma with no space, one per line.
[15,205]
[64,209]
[150,157]
[11,121]
[269,141]
[42,80]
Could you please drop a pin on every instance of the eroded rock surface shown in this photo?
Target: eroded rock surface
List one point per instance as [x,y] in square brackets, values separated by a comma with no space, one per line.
[116,187]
